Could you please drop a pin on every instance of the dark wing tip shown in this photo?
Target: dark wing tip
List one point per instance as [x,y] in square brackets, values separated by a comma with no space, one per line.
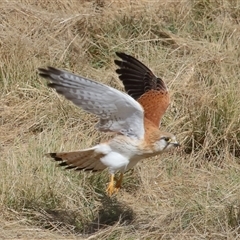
[51,74]
[121,54]
[43,72]
[67,166]
[47,71]
[128,58]
[62,164]
[118,63]
[54,156]
[131,70]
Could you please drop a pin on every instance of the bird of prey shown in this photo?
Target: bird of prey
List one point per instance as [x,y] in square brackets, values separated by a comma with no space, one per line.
[133,117]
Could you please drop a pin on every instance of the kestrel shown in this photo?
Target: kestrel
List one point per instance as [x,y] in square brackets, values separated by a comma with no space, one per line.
[134,117]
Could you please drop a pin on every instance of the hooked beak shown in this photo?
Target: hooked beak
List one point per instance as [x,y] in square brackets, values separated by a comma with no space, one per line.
[175,144]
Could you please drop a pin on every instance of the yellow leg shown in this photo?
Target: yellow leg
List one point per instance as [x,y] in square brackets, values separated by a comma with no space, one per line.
[111,188]
[119,182]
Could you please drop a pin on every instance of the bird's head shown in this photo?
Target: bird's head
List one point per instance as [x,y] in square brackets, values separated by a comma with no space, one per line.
[165,142]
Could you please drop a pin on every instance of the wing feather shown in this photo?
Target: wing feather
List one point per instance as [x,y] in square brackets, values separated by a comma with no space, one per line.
[140,83]
[118,112]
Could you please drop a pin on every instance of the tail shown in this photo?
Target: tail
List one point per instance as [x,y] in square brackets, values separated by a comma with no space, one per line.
[87,159]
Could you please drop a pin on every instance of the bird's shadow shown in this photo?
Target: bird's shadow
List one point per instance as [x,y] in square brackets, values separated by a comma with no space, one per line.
[110,212]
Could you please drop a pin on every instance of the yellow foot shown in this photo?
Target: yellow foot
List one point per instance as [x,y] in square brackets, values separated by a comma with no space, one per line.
[111,188]
[119,183]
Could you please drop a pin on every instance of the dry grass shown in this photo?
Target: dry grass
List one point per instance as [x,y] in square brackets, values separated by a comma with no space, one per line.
[192,194]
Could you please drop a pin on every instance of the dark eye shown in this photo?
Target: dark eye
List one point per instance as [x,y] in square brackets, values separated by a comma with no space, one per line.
[167,139]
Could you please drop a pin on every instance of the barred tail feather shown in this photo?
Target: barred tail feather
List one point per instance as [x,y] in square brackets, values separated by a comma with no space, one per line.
[87,159]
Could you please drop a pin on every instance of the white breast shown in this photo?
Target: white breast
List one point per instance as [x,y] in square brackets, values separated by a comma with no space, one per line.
[121,153]
[115,162]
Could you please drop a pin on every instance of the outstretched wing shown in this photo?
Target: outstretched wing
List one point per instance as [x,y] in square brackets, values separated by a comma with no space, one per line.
[117,111]
[141,84]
